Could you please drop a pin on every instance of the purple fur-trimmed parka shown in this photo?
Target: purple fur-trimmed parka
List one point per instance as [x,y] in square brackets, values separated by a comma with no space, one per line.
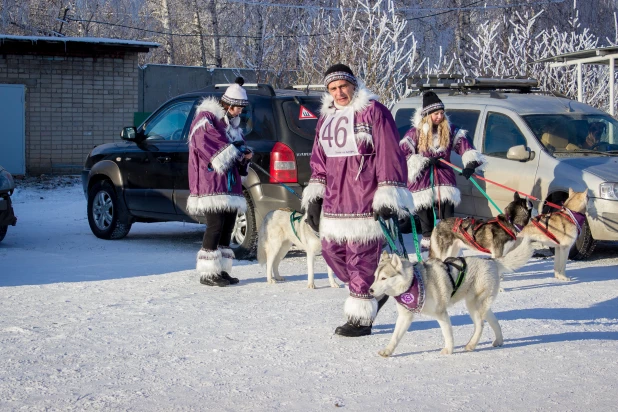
[352,187]
[216,166]
[419,182]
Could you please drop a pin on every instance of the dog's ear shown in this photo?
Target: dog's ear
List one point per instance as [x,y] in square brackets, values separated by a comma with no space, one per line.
[385,256]
[396,262]
[516,196]
[571,191]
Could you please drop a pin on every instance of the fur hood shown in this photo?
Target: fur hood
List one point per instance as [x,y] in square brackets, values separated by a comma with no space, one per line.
[416,118]
[211,104]
[360,101]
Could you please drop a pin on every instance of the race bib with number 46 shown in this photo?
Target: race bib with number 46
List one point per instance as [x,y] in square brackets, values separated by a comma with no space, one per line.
[337,134]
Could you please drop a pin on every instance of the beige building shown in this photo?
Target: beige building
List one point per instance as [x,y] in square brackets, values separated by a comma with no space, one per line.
[61,96]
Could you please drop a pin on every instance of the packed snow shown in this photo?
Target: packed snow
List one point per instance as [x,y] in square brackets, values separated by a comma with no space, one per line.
[125,325]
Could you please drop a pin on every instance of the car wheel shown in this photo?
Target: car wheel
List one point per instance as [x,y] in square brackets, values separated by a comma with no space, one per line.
[584,245]
[3,230]
[244,235]
[106,214]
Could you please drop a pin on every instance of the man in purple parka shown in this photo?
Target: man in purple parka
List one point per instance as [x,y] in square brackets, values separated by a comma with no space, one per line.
[218,159]
[358,174]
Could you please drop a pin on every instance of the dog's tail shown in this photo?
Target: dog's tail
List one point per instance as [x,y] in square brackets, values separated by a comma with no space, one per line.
[516,258]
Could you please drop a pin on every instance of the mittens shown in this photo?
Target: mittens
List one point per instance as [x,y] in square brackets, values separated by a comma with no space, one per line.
[385,212]
[467,172]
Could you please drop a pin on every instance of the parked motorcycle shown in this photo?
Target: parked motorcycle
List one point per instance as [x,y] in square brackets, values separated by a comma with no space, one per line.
[7,216]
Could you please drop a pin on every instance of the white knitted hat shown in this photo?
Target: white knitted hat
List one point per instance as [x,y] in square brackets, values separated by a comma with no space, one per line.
[235,95]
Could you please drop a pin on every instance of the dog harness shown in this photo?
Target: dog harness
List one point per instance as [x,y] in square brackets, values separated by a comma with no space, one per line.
[471,237]
[461,267]
[295,217]
[414,298]
[576,218]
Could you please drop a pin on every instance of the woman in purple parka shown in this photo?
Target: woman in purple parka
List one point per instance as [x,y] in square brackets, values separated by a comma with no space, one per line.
[218,158]
[430,139]
[358,173]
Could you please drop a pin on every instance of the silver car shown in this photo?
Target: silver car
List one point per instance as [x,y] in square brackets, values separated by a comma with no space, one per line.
[538,144]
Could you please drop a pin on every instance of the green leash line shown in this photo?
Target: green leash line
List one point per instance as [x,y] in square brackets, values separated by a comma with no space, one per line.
[433,202]
[417,247]
[480,190]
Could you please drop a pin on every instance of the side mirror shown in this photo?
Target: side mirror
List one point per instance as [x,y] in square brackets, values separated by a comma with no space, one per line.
[128,133]
[521,153]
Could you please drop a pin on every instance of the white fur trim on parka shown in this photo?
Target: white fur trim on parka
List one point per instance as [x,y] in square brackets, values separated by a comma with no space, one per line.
[209,263]
[199,205]
[311,192]
[472,156]
[397,198]
[341,230]
[423,198]
[360,311]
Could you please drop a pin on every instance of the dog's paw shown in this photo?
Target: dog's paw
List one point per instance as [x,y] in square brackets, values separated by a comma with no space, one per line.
[271,281]
[279,278]
[501,290]
[446,351]
[562,277]
[385,353]
[334,285]
[497,343]
[311,285]
[470,348]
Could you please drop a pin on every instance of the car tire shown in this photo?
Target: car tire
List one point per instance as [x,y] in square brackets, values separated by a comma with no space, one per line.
[107,215]
[584,245]
[245,234]
[3,230]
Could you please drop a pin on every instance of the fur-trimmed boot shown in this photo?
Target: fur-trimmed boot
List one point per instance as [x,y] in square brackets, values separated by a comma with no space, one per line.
[360,314]
[209,266]
[227,255]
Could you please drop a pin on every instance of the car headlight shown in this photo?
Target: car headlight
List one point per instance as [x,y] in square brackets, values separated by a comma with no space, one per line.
[609,191]
[6,181]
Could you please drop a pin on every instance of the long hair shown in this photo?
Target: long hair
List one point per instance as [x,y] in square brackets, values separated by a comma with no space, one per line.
[425,134]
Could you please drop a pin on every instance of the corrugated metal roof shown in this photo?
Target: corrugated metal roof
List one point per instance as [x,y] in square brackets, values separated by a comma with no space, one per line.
[29,44]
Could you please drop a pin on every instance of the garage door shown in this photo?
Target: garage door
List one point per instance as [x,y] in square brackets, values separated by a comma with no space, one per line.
[12,131]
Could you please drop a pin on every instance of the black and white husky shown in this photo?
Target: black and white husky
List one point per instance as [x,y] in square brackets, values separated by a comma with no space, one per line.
[432,286]
[278,234]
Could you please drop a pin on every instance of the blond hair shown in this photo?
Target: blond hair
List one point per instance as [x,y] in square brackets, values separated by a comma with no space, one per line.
[425,134]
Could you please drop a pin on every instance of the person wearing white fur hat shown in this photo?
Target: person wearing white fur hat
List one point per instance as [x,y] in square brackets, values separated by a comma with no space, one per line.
[430,139]
[218,159]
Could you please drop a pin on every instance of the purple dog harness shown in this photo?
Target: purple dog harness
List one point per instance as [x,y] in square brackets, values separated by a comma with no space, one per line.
[414,298]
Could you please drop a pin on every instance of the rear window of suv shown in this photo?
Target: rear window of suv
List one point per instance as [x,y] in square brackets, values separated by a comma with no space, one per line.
[302,120]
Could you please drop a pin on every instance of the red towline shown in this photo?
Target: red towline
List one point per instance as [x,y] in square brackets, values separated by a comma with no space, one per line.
[555,206]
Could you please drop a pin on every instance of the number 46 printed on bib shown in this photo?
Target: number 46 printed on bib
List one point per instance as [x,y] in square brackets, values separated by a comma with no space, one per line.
[337,134]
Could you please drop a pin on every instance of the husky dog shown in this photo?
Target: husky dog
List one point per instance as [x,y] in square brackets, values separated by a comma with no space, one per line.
[276,237]
[438,289]
[560,229]
[496,236]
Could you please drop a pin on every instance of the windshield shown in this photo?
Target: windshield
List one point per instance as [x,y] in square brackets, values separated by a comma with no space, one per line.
[575,134]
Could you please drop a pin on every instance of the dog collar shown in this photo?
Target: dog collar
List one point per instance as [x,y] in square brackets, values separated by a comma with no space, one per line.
[413,299]
[518,228]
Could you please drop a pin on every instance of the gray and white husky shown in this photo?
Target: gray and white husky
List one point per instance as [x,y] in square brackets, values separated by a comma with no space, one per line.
[497,236]
[277,236]
[479,288]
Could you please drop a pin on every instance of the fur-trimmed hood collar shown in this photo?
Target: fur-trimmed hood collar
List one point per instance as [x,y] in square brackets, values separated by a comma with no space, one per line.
[416,118]
[361,99]
[211,104]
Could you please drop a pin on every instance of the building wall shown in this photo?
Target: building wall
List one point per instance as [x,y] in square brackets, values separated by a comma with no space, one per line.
[72,105]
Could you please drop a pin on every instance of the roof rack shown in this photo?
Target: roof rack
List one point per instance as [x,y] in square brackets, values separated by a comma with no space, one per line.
[462,83]
[306,88]
[260,88]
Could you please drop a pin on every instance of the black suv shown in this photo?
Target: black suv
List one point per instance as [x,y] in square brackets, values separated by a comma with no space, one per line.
[144,178]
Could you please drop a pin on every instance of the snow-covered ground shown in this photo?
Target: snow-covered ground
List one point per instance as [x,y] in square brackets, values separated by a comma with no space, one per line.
[125,325]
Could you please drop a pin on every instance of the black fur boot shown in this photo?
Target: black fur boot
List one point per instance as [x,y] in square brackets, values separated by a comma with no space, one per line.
[353,331]
[216,280]
[231,279]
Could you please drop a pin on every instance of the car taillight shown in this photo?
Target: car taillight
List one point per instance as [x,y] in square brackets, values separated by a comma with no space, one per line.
[282,164]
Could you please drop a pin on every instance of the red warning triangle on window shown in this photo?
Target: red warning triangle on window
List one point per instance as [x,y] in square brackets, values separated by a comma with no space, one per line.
[306,114]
